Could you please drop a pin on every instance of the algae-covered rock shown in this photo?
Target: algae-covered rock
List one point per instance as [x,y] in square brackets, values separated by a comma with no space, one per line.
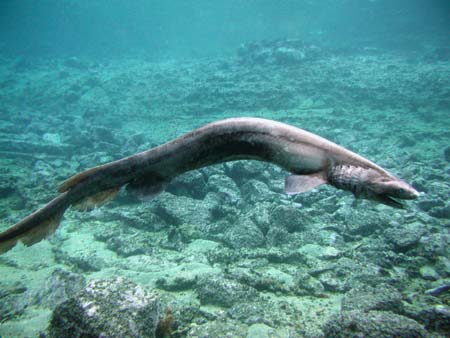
[308,285]
[372,324]
[225,188]
[218,328]
[260,331]
[404,238]
[107,308]
[434,245]
[428,272]
[289,217]
[58,288]
[11,302]
[367,298]
[219,291]
[191,184]
[242,171]
[245,234]
[277,236]
[427,311]
[255,191]
[320,252]
[175,210]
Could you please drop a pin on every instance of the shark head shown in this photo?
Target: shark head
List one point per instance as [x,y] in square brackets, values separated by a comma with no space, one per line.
[389,189]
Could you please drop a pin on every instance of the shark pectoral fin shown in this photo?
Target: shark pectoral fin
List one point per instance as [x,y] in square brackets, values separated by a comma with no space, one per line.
[297,184]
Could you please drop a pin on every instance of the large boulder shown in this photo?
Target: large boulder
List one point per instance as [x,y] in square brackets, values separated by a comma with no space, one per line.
[367,298]
[372,324]
[107,308]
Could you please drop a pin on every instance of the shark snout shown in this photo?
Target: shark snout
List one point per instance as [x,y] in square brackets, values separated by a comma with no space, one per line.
[406,191]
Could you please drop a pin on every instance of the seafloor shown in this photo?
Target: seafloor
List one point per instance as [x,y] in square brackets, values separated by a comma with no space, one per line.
[223,248]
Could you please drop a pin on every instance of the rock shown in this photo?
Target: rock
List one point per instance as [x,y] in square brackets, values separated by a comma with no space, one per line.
[58,288]
[308,285]
[266,279]
[225,188]
[320,252]
[260,215]
[443,266]
[244,234]
[79,260]
[434,245]
[404,238]
[176,210]
[367,298]
[330,253]
[242,171]
[137,216]
[282,52]
[8,185]
[177,283]
[255,191]
[435,317]
[441,289]
[283,315]
[288,56]
[427,272]
[440,212]
[427,204]
[126,243]
[217,328]
[260,331]
[277,236]
[102,134]
[332,283]
[107,308]
[191,184]
[11,300]
[289,217]
[352,222]
[216,290]
[372,324]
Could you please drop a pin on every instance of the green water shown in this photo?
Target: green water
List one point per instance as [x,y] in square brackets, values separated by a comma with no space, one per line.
[224,247]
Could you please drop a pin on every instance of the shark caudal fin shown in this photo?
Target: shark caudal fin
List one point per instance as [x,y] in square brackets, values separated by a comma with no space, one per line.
[44,222]
[36,227]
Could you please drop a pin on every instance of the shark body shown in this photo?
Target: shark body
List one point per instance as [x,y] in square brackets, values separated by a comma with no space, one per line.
[311,160]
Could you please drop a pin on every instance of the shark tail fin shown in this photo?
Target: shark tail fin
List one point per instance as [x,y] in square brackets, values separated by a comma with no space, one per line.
[43,222]
[37,226]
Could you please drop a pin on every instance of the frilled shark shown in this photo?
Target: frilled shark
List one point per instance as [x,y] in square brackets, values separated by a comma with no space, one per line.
[310,159]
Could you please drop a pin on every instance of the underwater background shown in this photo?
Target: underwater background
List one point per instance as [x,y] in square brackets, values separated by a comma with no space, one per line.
[223,252]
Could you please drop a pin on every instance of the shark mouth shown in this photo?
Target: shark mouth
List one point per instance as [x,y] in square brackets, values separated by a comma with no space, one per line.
[390,201]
